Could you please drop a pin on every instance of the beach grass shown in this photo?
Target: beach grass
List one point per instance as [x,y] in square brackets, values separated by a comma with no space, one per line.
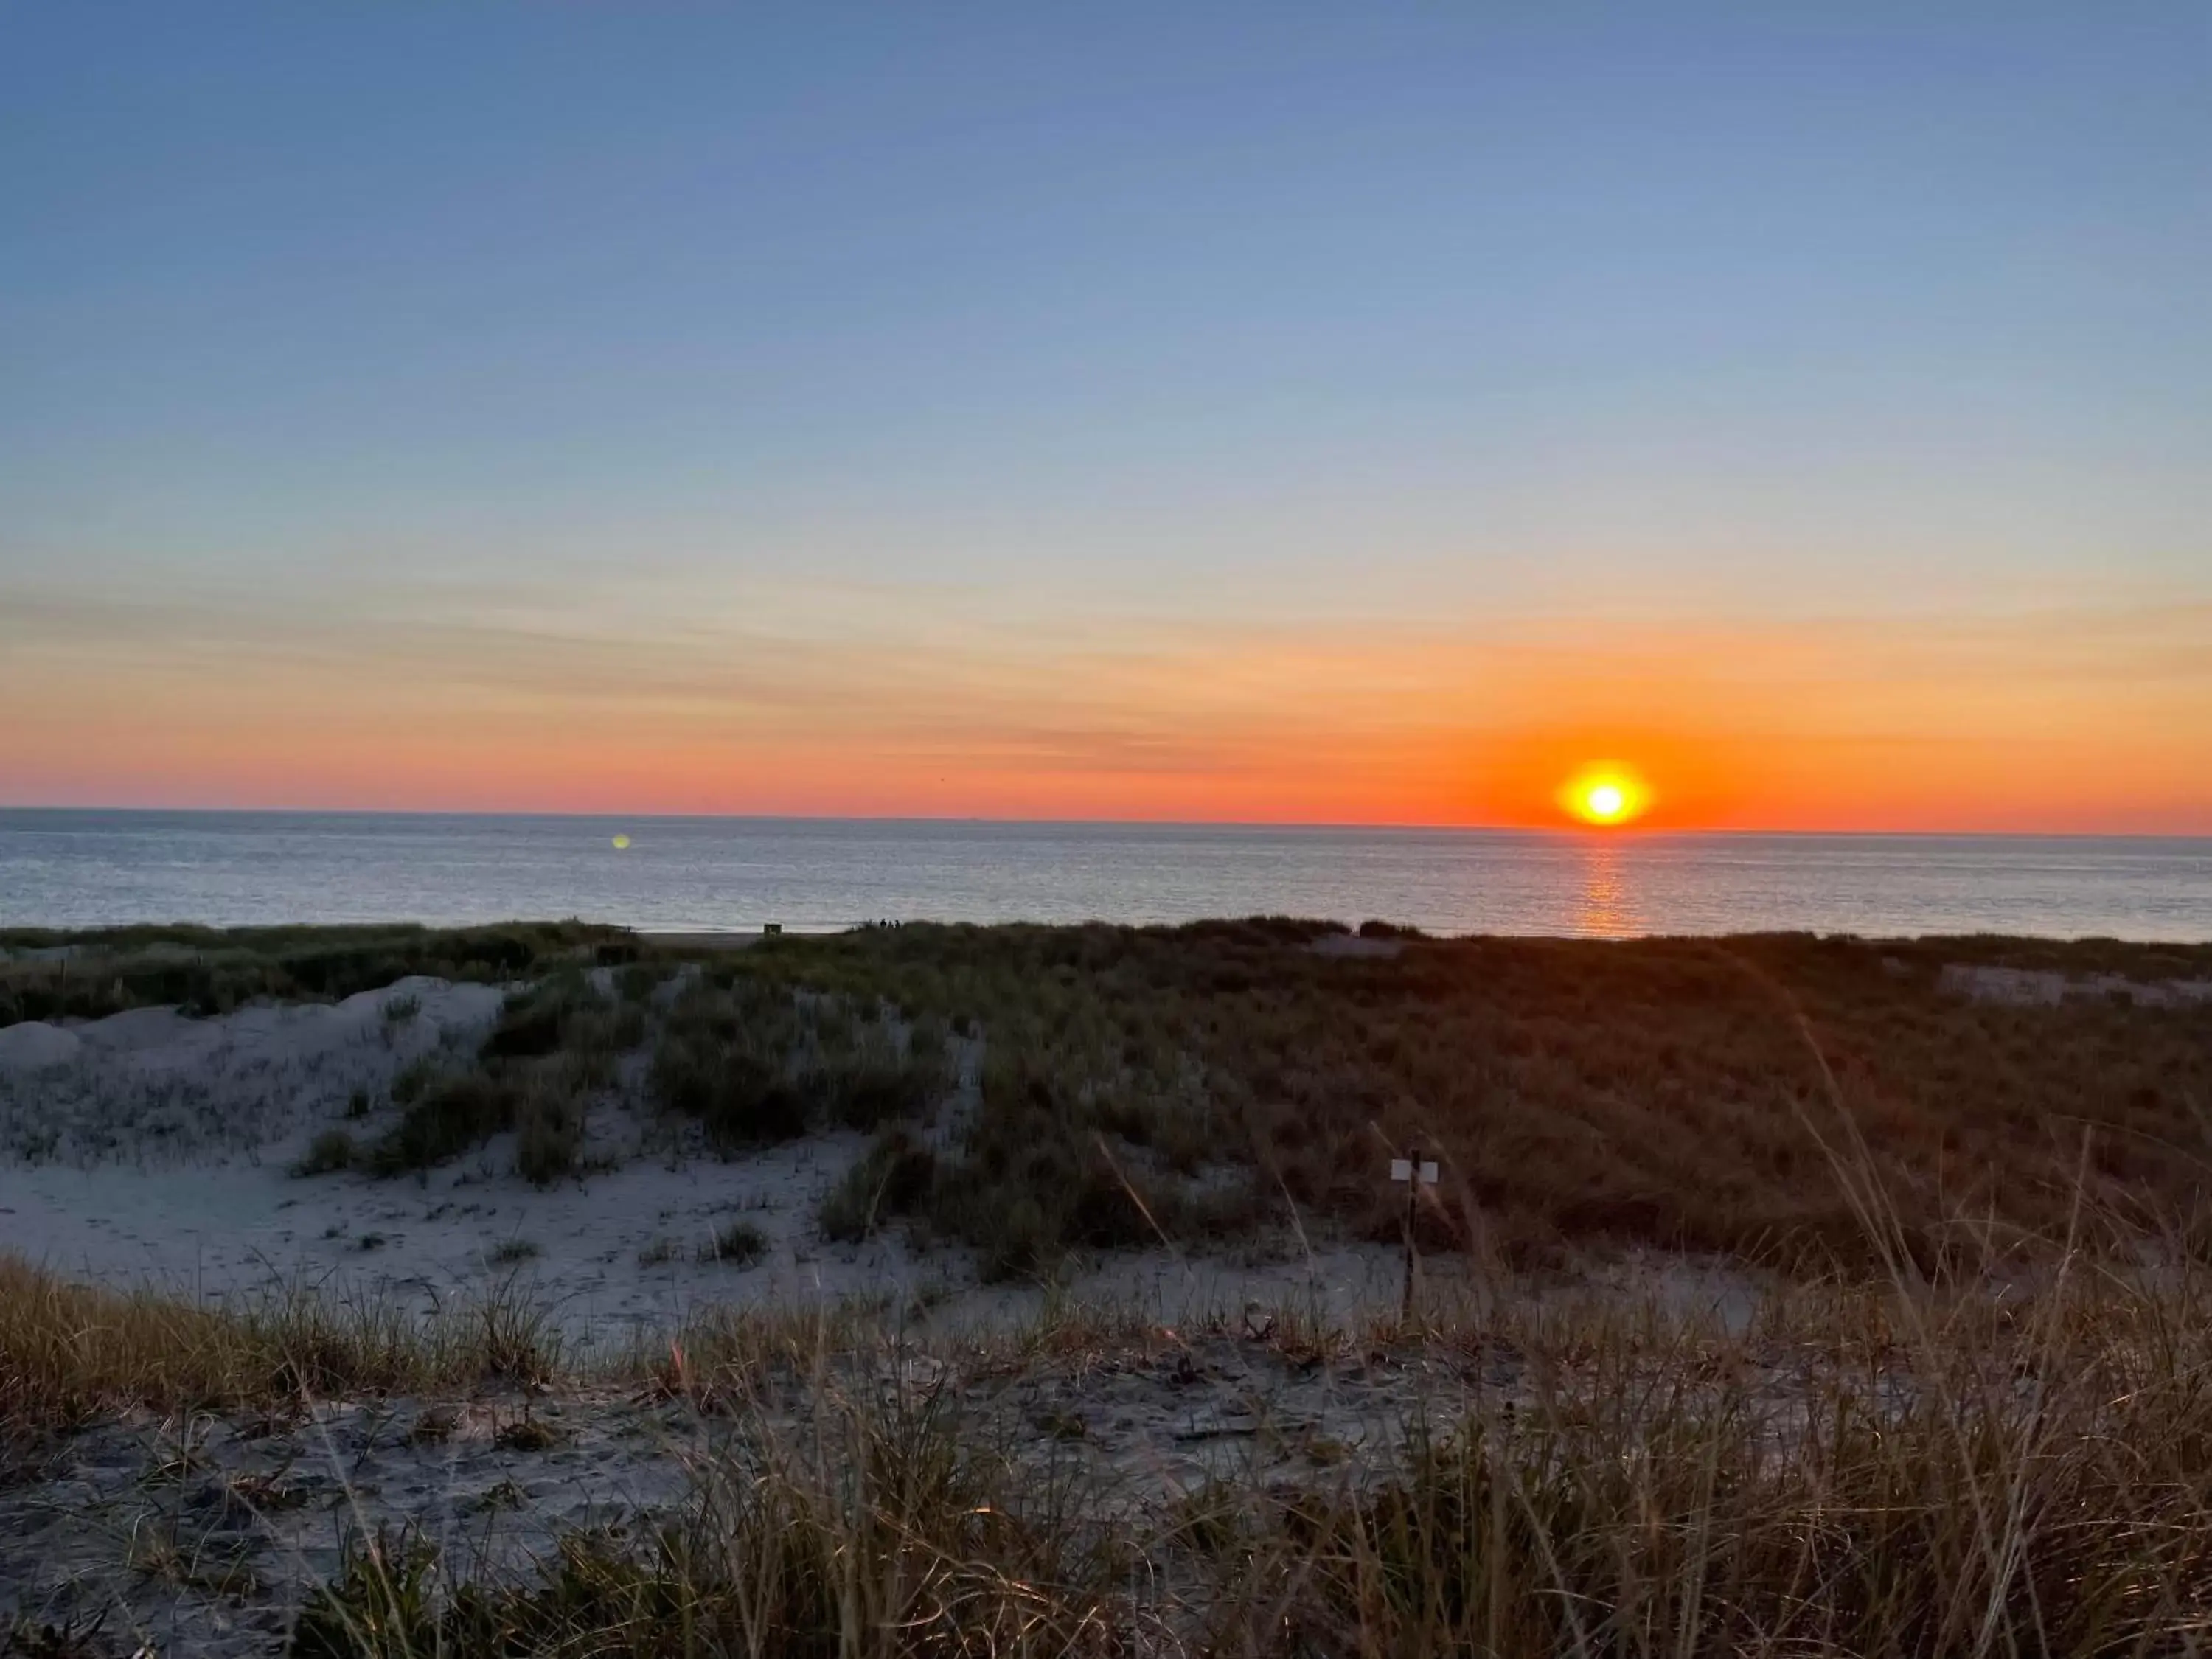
[1857,1466]
[1679,1093]
[1114,1084]
[71,1352]
[49,973]
[1963,1411]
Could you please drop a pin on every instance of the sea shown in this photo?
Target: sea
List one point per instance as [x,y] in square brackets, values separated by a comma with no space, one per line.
[76,868]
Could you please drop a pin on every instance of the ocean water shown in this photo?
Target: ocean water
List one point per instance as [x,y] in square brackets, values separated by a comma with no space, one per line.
[80,868]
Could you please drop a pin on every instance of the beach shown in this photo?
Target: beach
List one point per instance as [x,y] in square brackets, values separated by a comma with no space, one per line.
[583,1223]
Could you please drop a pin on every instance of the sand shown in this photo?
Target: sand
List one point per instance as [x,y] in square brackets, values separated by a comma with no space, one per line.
[205,1535]
[151,1149]
[2033,985]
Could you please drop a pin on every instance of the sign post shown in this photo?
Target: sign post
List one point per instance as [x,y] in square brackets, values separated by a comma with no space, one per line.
[1416,1172]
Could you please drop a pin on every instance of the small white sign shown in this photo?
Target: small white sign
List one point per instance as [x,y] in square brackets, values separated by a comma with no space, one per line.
[1428,1173]
[1401,1169]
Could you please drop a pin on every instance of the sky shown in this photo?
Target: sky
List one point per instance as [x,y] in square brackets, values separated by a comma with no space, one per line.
[1352,413]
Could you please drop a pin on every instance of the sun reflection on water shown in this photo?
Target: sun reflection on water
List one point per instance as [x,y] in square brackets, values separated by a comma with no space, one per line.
[1604,908]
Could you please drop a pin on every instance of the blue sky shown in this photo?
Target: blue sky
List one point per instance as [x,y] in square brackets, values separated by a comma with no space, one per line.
[992,325]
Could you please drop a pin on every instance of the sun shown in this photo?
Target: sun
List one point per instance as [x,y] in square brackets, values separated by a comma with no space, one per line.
[1605,792]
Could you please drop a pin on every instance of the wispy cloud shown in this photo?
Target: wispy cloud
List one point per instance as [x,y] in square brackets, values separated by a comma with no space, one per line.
[800,697]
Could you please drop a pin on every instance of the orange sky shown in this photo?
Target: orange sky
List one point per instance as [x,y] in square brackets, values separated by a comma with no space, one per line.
[1144,411]
[2056,720]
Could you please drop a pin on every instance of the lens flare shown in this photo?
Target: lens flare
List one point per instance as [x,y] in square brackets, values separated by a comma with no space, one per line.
[1605,792]
[621,843]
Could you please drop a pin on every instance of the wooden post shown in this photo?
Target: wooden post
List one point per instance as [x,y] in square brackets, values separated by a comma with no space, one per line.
[1413,1197]
[1416,1172]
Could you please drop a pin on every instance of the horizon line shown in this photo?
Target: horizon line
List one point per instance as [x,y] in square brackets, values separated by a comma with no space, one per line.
[1578,831]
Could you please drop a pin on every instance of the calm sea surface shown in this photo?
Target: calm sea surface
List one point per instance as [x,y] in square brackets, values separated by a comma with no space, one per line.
[63,868]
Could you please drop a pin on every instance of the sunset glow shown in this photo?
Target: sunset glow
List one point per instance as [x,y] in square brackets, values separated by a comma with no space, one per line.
[1820,445]
[1605,794]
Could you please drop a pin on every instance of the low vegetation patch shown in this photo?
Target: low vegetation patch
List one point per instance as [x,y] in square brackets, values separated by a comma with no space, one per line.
[758,1060]
[1689,1094]
[1654,1486]
[459,1110]
[69,1352]
[86,974]
[553,1045]
[329,1152]
[1198,1082]
[740,1243]
[894,1178]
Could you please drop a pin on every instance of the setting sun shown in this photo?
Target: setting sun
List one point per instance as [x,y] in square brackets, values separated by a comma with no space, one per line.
[1605,794]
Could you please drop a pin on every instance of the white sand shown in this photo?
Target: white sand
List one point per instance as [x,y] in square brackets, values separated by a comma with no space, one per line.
[2044,985]
[152,1149]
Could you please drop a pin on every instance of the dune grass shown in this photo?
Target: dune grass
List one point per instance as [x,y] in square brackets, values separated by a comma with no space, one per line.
[86,974]
[553,1045]
[1976,1420]
[1652,1091]
[1862,1470]
[70,1352]
[1993,1465]
[757,1061]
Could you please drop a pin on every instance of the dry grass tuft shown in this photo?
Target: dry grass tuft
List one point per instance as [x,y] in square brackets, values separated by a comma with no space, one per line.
[70,1352]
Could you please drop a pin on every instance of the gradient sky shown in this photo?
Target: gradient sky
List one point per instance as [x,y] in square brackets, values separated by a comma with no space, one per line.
[1350,413]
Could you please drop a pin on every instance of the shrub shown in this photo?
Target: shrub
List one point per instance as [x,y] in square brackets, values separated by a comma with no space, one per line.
[549,1124]
[893,1178]
[878,1085]
[208,970]
[739,1097]
[330,1151]
[638,981]
[414,1078]
[531,1022]
[739,1242]
[458,1111]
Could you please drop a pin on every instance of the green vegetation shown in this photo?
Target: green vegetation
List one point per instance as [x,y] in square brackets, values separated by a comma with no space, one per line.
[894,1178]
[460,1110]
[759,1060]
[1123,1084]
[553,1045]
[47,973]
[1664,1091]
[1971,1420]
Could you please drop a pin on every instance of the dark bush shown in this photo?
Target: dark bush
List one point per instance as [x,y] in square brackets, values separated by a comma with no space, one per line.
[893,1179]
[740,1098]
[739,1242]
[549,1133]
[330,1151]
[455,1113]
[207,970]
[881,1087]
